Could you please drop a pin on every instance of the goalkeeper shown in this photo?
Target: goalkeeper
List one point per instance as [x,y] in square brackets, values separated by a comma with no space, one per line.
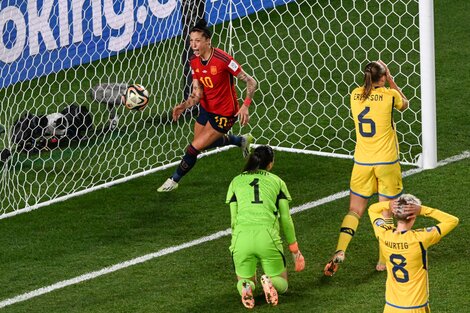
[259,200]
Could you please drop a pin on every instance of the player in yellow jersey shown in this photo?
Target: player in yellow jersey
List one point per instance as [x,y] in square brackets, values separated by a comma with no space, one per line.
[405,251]
[376,157]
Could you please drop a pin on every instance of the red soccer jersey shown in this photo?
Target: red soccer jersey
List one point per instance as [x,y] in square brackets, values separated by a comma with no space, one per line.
[216,77]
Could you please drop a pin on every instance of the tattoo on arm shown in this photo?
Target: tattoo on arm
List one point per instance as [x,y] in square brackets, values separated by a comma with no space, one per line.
[251,84]
[195,95]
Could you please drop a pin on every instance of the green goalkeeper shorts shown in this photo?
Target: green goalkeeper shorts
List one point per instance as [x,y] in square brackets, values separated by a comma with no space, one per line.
[253,245]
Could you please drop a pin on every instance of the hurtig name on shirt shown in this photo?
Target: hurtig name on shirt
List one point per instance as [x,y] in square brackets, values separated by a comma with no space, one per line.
[359,96]
[396,245]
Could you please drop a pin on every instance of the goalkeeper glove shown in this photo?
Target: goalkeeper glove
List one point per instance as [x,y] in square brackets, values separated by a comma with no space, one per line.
[297,257]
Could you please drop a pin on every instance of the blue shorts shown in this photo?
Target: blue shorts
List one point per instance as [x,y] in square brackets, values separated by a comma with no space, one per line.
[220,123]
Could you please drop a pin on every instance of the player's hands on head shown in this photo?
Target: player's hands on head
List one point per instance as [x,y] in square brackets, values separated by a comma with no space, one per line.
[244,115]
[412,209]
[393,205]
[297,256]
[178,110]
[387,71]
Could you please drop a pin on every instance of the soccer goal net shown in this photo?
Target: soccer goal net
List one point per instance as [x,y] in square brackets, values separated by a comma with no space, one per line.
[64,63]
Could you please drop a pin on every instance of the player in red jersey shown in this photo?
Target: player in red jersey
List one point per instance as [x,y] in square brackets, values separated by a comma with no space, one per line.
[213,73]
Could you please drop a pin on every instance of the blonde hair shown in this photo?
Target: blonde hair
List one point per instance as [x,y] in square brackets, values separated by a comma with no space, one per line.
[404,200]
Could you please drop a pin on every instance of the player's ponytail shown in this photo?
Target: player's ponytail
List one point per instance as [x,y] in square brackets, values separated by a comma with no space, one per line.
[201,26]
[259,159]
[372,74]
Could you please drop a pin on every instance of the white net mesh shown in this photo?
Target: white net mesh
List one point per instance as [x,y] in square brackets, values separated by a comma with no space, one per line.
[306,57]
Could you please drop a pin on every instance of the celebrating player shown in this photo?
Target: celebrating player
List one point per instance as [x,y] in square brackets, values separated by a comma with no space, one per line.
[258,201]
[213,87]
[376,157]
[405,251]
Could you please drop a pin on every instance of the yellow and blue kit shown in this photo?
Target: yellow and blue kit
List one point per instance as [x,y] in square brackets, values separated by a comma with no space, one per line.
[376,156]
[407,287]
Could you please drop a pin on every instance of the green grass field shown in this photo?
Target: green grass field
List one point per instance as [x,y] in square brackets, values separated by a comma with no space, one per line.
[305,73]
[117,224]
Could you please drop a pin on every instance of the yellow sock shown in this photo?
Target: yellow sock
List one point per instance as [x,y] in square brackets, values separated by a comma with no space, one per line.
[347,231]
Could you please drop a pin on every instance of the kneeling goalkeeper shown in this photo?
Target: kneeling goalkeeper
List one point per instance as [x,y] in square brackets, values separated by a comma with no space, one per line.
[259,200]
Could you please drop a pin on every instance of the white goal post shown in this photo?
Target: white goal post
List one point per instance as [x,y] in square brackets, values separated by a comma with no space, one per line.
[428,84]
[63,64]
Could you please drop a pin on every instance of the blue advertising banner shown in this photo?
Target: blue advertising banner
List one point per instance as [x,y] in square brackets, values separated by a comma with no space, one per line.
[39,37]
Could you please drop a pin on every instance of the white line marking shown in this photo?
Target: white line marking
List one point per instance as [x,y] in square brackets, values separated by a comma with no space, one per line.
[105,185]
[217,235]
[112,268]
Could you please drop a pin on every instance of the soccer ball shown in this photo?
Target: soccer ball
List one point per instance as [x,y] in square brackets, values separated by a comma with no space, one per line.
[136,97]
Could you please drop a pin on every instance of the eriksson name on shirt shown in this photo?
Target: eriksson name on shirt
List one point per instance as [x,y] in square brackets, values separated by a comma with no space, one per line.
[358,96]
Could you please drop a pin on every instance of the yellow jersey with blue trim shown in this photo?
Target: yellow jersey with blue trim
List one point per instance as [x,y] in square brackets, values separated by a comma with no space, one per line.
[376,138]
[407,285]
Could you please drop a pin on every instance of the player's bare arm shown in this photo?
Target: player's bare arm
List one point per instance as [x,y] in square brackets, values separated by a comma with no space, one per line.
[251,86]
[193,99]
[393,85]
